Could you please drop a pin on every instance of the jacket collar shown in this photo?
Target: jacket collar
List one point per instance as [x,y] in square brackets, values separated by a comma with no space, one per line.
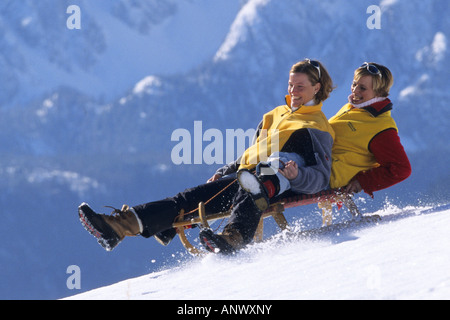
[379,108]
[303,109]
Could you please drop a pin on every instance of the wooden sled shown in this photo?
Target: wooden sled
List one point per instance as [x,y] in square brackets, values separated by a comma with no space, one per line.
[325,200]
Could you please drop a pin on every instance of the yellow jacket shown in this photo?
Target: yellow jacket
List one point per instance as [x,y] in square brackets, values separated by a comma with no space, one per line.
[355,128]
[278,127]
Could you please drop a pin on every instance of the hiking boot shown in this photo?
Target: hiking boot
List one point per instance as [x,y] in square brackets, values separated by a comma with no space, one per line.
[228,242]
[110,230]
[255,187]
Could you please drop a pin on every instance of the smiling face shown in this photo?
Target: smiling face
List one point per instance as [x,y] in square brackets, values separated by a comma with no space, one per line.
[300,89]
[362,90]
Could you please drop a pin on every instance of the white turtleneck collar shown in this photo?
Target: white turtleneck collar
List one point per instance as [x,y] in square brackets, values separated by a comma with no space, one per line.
[309,103]
[367,103]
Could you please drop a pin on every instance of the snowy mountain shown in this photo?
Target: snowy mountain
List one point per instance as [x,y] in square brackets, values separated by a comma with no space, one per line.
[119,43]
[392,260]
[88,114]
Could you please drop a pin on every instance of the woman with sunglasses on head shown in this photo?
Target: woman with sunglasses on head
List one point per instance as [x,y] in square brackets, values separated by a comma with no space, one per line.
[300,162]
[292,152]
[367,152]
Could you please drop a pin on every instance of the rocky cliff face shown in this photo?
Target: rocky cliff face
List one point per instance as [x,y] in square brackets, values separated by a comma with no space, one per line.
[88,114]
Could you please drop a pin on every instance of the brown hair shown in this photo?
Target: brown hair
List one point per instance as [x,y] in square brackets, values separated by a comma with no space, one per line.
[381,85]
[326,84]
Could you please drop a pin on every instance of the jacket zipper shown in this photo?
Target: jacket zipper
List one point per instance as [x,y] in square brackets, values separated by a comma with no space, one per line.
[282,119]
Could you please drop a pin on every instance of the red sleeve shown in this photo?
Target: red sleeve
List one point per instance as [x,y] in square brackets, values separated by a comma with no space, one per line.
[394,164]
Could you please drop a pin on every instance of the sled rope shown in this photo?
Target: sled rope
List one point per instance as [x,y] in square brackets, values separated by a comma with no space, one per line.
[209,200]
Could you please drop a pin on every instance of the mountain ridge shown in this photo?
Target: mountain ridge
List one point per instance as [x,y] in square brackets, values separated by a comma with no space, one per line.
[62,143]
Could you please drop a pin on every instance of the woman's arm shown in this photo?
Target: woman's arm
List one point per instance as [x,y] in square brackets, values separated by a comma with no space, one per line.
[233,167]
[315,177]
[394,163]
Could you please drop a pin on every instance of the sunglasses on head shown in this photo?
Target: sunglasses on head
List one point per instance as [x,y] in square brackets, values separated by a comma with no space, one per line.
[315,64]
[371,68]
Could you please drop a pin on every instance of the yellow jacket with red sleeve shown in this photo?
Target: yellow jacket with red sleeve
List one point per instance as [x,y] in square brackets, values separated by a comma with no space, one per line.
[367,147]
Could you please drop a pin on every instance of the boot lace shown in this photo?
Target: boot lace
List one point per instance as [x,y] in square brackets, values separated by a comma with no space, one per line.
[115,211]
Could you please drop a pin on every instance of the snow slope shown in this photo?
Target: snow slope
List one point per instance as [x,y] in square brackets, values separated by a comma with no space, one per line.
[83,113]
[406,256]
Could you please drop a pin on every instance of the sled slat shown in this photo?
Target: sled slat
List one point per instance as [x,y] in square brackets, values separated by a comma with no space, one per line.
[275,210]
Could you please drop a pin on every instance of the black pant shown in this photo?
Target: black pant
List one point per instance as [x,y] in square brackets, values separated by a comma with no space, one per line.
[159,216]
[245,216]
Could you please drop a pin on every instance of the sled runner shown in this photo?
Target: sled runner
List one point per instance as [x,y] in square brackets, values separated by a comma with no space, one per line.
[325,200]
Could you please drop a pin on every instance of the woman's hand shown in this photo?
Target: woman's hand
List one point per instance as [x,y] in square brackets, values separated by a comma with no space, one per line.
[353,187]
[290,170]
[214,178]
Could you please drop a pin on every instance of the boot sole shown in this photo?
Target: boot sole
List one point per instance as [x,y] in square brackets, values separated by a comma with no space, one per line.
[250,183]
[104,234]
[214,243]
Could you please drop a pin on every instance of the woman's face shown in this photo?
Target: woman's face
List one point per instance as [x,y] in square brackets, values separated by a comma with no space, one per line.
[362,90]
[300,89]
